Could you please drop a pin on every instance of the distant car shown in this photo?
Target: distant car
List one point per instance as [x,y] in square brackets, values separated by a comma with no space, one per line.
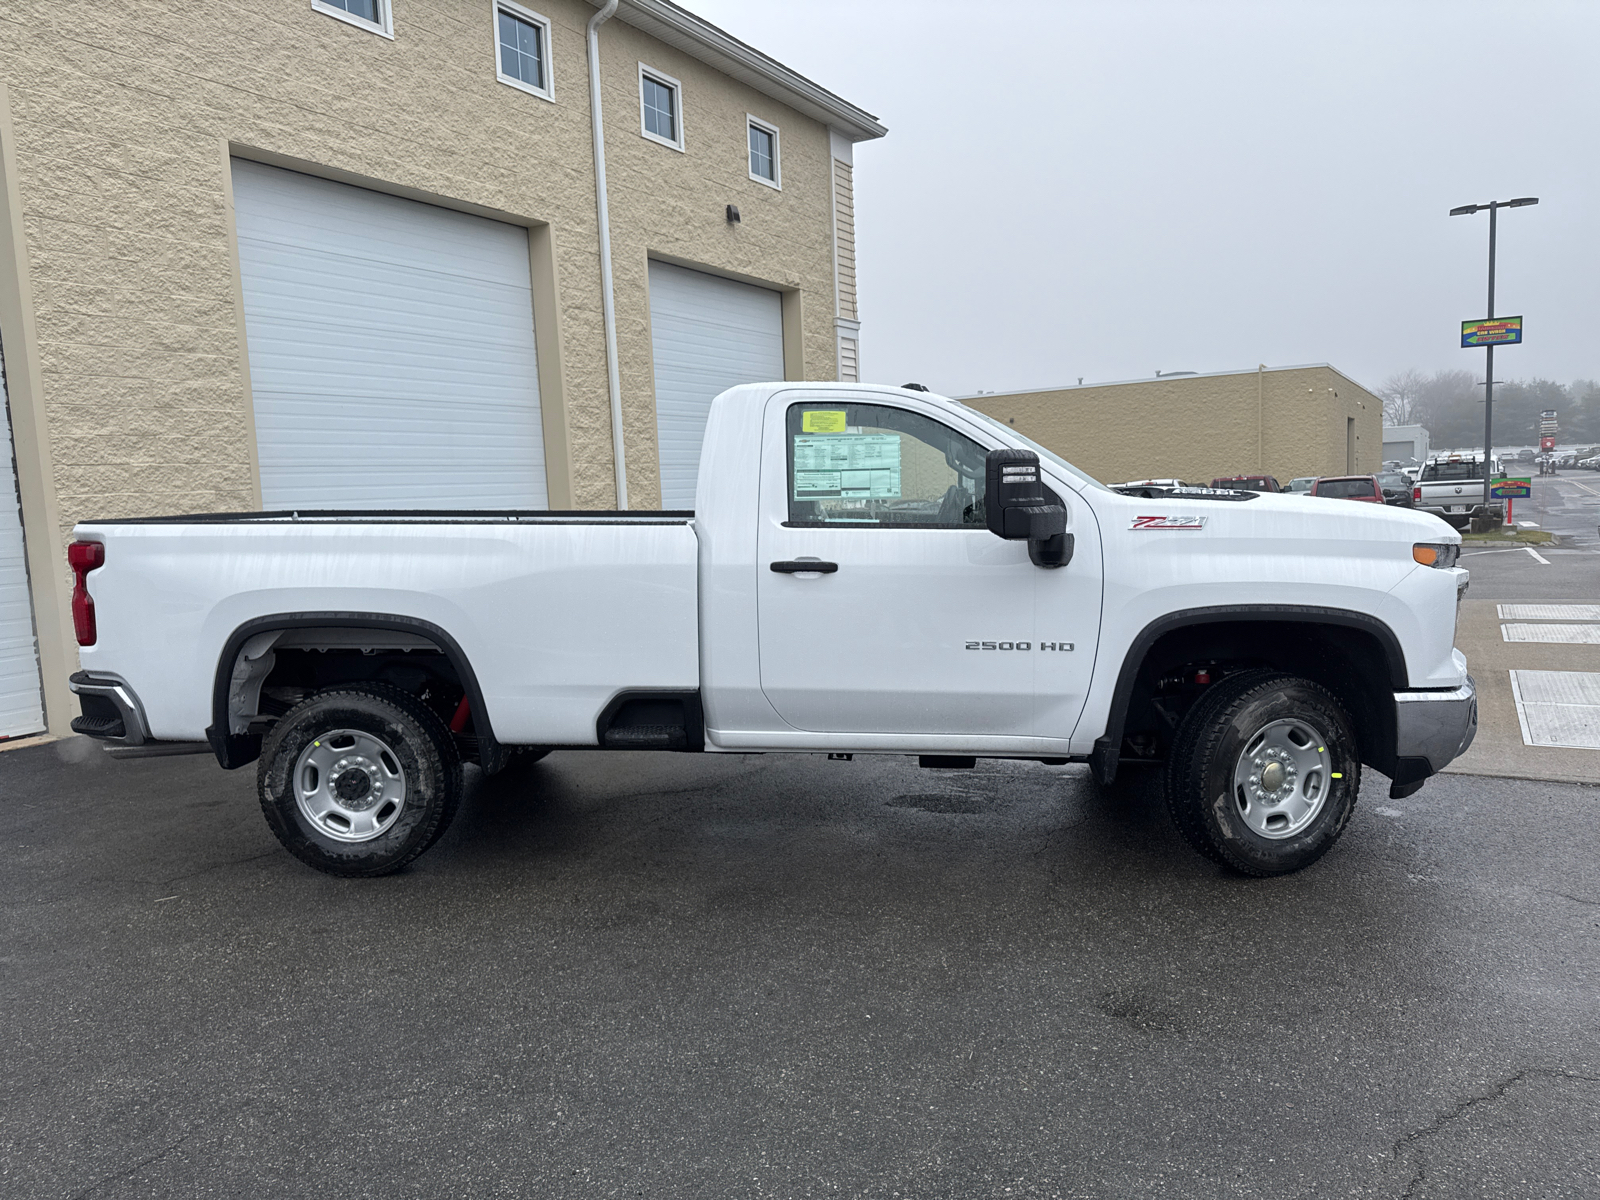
[1301,483]
[1349,487]
[1396,488]
[1249,483]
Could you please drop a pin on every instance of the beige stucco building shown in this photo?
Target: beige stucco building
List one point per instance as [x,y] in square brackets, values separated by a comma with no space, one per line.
[1281,421]
[252,255]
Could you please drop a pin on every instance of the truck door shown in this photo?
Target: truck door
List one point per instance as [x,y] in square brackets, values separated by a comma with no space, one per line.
[917,619]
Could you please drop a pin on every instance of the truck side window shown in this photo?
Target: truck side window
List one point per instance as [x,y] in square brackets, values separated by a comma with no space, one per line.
[870,464]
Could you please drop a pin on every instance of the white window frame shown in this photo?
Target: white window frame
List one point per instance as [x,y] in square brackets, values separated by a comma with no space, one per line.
[776,182]
[667,81]
[512,8]
[384,28]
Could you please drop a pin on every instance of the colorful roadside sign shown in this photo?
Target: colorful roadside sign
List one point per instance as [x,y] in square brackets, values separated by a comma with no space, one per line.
[1511,489]
[1501,331]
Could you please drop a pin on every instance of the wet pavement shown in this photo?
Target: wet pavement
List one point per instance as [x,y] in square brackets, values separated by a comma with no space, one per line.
[709,976]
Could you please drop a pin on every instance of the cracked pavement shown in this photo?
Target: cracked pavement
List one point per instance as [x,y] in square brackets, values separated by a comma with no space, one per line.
[714,976]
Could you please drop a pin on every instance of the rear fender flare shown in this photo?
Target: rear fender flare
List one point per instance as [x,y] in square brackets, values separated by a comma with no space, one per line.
[234,750]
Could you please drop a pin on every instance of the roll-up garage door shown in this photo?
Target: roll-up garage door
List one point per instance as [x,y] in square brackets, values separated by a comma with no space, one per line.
[21,699]
[707,334]
[391,349]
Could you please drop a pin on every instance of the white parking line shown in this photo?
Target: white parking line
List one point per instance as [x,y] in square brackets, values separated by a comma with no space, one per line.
[1537,557]
[1558,708]
[1572,635]
[1549,612]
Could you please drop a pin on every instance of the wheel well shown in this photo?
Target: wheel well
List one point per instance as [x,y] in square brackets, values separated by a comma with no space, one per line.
[1157,689]
[271,664]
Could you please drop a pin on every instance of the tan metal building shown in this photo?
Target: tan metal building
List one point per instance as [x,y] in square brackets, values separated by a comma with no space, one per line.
[1280,421]
[352,253]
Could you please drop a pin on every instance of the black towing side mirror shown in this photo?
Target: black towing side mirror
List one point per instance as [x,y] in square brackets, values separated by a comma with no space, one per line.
[1017,505]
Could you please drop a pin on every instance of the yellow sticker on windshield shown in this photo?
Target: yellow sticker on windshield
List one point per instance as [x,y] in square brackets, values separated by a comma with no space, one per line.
[822,422]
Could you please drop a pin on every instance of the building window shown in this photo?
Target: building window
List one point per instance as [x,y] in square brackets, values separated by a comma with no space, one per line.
[372,15]
[764,166]
[661,107]
[522,47]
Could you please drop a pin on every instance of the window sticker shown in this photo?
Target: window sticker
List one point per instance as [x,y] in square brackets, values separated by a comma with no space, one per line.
[822,422]
[846,465]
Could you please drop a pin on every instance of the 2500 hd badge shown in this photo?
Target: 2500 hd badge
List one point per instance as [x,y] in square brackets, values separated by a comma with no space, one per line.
[1018,645]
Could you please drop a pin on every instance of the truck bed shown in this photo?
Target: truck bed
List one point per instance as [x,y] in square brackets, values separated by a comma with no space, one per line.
[558,612]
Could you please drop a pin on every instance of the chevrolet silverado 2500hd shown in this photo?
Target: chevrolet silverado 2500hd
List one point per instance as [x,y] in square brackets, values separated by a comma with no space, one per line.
[867,570]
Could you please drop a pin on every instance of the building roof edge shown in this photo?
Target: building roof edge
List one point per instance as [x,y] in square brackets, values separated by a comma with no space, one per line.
[701,39]
[1073,387]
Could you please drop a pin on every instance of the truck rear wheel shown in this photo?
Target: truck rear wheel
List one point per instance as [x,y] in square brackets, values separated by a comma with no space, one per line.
[359,780]
[1264,773]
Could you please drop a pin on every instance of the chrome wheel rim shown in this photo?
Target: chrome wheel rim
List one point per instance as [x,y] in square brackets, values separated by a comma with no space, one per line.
[350,785]
[1282,778]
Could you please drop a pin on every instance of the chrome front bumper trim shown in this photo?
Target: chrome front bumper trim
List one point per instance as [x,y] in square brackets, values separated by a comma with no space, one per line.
[1436,726]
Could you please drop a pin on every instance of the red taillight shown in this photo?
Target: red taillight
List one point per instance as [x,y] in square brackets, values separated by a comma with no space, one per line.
[84,557]
[1416,493]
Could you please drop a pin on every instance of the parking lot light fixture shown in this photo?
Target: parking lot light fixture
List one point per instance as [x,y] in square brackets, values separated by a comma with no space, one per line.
[1494,206]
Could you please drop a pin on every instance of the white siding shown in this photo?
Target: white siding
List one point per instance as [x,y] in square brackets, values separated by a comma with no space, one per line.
[391,349]
[21,696]
[844,235]
[707,335]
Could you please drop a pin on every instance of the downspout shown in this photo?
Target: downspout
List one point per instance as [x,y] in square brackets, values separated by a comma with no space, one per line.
[1261,375]
[607,306]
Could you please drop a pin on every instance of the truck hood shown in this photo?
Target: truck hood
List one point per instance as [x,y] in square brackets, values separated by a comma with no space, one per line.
[1279,516]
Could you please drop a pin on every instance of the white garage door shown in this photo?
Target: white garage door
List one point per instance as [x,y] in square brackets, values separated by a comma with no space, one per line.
[21,700]
[707,334]
[391,349]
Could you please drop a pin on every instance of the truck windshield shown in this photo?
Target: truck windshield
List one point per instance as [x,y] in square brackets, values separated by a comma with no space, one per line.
[1049,455]
[1345,489]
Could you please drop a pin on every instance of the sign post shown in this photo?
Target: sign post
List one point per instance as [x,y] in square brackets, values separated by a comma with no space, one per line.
[1547,432]
[1505,333]
[1518,488]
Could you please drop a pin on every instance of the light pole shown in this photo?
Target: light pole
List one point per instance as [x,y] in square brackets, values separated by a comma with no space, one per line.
[1494,206]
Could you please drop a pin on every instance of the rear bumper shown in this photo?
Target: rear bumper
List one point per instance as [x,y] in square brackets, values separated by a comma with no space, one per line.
[1432,730]
[1458,509]
[111,710]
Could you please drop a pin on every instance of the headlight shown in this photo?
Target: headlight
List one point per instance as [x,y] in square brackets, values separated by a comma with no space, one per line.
[1437,554]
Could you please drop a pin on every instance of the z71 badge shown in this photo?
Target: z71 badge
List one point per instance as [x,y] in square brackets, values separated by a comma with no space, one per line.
[1168,522]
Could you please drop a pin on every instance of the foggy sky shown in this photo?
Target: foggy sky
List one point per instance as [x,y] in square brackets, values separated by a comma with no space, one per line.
[1111,189]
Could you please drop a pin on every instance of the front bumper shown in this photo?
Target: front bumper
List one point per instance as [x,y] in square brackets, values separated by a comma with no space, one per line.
[1432,730]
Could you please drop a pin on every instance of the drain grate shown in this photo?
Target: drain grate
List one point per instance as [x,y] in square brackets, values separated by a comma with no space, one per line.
[1558,708]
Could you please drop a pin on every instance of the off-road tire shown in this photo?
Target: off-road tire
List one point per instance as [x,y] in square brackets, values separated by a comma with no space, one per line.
[1200,787]
[420,742]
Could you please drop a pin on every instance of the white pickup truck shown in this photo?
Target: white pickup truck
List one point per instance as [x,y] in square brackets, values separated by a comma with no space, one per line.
[868,570]
[1452,488]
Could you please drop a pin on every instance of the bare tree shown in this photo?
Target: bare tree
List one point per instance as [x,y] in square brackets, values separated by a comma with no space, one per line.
[1402,395]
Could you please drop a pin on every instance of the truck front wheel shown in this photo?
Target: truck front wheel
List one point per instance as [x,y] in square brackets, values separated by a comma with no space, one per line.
[1264,773]
[359,780]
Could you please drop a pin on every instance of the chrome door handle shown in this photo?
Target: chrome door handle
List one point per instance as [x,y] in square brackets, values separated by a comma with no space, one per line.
[795,568]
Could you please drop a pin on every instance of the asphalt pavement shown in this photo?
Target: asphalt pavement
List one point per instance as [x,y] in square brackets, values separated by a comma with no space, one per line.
[723,976]
[1563,573]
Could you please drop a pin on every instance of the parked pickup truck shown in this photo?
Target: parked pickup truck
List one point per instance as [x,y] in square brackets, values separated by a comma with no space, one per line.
[868,570]
[1450,488]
